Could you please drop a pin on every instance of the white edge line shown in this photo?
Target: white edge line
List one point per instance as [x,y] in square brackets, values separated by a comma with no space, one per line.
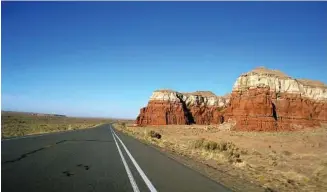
[128,171]
[144,177]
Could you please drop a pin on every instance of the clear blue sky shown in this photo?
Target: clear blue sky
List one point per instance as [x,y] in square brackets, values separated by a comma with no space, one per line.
[105,58]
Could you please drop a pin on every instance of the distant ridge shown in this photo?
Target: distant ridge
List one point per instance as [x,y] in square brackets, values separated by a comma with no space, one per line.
[35,114]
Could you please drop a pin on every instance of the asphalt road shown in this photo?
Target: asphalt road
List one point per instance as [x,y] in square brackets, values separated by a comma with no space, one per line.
[94,160]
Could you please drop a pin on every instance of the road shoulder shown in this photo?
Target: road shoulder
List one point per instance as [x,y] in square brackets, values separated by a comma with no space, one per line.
[220,176]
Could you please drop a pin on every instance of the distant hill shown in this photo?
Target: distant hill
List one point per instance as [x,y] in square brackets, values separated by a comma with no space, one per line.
[34,114]
[59,115]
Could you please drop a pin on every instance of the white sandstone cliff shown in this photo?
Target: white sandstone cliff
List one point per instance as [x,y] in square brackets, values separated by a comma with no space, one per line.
[280,82]
[199,98]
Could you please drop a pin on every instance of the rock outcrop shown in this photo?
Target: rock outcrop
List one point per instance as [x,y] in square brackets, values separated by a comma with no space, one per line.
[171,107]
[261,100]
[252,110]
[281,83]
[269,100]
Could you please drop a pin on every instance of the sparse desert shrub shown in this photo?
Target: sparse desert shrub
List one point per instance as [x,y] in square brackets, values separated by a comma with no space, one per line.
[268,189]
[222,146]
[233,156]
[287,153]
[228,149]
[237,155]
[154,134]
[231,151]
[210,145]
[290,181]
[227,146]
[244,151]
[123,124]
[238,160]
[198,143]
[273,163]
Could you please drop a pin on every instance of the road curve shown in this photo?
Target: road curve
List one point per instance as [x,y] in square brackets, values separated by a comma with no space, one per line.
[98,159]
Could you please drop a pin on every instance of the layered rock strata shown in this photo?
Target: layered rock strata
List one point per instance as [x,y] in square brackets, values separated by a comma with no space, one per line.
[261,100]
[269,100]
[171,107]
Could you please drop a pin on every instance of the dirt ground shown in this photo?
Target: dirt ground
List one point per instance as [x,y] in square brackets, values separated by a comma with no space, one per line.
[279,161]
[22,123]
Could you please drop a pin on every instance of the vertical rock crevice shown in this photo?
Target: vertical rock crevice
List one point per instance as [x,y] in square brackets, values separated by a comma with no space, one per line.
[188,115]
[274,112]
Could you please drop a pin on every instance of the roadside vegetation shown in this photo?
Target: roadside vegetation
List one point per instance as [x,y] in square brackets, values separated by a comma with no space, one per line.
[281,161]
[21,124]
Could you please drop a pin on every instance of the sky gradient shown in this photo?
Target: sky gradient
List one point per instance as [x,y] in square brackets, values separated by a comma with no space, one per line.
[104,59]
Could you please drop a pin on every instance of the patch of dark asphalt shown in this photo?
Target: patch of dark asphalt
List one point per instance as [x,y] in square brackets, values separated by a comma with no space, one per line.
[71,173]
[49,146]
[68,173]
[92,187]
[86,167]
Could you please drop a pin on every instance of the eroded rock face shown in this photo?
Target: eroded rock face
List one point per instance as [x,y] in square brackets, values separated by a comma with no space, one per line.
[281,83]
[163,113]
[171,107]
[261,100]
[252,110]
[269,100]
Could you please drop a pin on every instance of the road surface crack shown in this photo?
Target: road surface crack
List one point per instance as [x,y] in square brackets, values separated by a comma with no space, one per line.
[23,156]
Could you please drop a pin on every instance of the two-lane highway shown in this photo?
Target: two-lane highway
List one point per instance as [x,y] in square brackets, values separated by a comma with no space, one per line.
[97,159]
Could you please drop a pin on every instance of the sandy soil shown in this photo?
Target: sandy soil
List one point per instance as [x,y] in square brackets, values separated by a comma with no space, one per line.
[280,161]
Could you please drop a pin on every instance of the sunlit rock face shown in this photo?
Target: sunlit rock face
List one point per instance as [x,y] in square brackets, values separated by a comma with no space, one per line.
[281,83]
[269,100]
[201,98]
[172,107]
[261,100]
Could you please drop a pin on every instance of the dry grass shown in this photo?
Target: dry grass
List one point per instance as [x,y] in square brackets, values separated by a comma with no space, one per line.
[20,124]
[283,161]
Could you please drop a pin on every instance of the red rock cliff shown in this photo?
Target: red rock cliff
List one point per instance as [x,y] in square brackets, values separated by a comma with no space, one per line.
[171,107]
[252,110]
[261,100]
[162,113]
[269,100]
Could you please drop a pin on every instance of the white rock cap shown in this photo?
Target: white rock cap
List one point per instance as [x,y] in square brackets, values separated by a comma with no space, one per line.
[280,82]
